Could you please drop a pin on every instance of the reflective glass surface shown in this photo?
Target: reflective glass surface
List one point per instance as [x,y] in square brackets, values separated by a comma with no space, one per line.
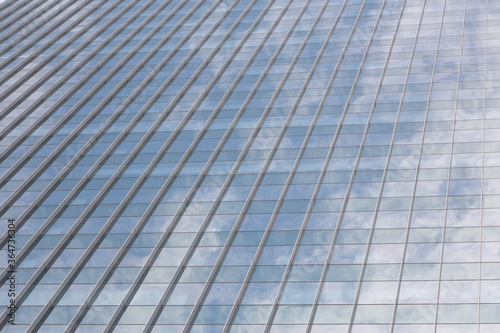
[250,166]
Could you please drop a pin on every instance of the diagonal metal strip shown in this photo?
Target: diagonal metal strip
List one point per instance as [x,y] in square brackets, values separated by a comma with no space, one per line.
[29,57]
[22,115]
[6,11]
[22,13]
[125,247]
[61,81]
[78,157]
[408,226]
[323,173]
[103,233]
[379,197]
[53,16]
[88,119]
[199,180]
[91,207]
[301,153]
[208,166]
[59,22]
[448,178]
[204,293]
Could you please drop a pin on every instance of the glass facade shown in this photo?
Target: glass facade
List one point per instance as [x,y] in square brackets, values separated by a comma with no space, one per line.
[248,166]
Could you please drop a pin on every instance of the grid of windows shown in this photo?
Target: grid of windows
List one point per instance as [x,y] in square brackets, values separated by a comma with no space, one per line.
[251,166]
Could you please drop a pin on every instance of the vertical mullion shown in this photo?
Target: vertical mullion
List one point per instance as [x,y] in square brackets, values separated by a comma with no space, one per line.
[91,248]
[482,169]
[154,254]
[386,167]
[5,10]
[58,22]
[133,191]
[377,205]
[53,16]
[408,226]
[13,20]
[327,161]
[64,78]
[30,57]
[450,168]
[302,150]
[77,158]
[88,119]
[262,173]
[167,293]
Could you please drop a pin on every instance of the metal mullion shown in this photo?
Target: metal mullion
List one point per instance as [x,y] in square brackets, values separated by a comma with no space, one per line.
[377,205]
[78,157]
[25,113]
[119,256]
[200,179]
[103,232]
[94,112]
[27,34]
[104,156]
[227,134]
[59,21]
[135,285]
[386,167]
[140,277]
[34,6]
[265,237]
[105,229]
[90,208]
[327,161]
[408,227]
[258,181]
[26,61]
[207,220]
[450,168]
[295,167]
[51,72]
[482,175]
[171,178]
[235,168]
[4,7]
[299,158]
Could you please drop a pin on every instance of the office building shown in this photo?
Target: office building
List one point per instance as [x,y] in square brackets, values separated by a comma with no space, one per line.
[249,166]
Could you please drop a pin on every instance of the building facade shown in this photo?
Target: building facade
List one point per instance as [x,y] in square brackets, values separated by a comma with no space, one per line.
[250,166]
